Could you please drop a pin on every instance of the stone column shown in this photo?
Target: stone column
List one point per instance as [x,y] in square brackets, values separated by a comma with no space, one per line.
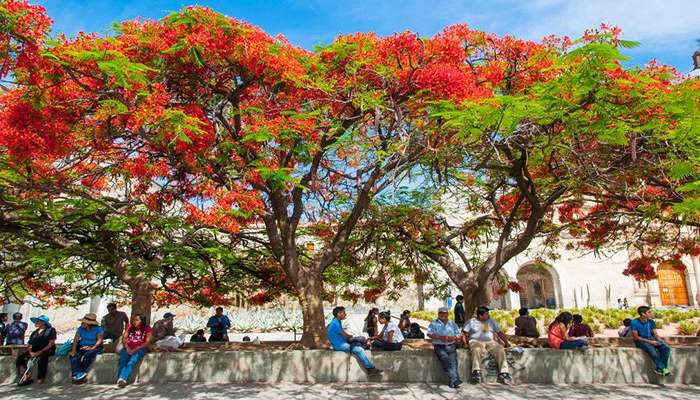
[695,261]
[95,304]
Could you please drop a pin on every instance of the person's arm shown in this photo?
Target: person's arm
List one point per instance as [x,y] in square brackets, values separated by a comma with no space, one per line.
[636,337]
[125,335]
[390,337]
[100,339]
[565,332]
[211,323]
[74,348]
[589,331]
[503,338]
[227,323]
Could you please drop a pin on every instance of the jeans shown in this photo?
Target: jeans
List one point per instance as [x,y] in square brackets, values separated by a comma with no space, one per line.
[386,346]
[82,360]
[658,354]
[128,362]
[572,344]
[358,351]
[447,354]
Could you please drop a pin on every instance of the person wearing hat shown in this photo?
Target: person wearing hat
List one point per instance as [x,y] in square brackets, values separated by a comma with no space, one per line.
[445,335]
[87,344]
[42,345]
[15,330]
[164,333]
[484,335]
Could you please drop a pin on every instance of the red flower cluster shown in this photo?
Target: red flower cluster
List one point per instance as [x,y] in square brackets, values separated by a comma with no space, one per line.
[640,269]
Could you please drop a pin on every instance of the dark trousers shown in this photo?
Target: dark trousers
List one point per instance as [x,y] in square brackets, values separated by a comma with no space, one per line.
[42,363]
[82,360]
[659,354]
[386,346]
[447,354]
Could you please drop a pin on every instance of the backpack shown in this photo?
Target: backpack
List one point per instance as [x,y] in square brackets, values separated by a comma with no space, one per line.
[415,332]
[65,348]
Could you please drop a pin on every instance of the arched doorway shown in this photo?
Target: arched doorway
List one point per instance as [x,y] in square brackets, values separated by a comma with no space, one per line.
[539,286]
[672,286]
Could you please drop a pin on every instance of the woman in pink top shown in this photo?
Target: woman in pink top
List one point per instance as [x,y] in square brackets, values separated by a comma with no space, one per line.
[558,336]
[135,339]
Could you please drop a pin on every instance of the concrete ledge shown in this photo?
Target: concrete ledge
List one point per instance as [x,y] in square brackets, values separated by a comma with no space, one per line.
[544,366]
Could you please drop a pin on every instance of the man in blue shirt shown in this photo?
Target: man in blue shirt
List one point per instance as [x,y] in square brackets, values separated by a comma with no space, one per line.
[219,324]
[340,341]
[445,335]
[646,338]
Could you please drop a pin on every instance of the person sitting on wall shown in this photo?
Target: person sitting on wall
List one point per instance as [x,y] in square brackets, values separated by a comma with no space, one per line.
[135,339]
[219,325]
[198,337]
[114,323]
[626,330]
[405,323]
[647,338]
[370,327]
[526,325]
[482,332]
[42,344]
[579,329]
[445,335]
[87,345]
[341,341]
[164,333]
[390,338]
[558,334]
[3,323]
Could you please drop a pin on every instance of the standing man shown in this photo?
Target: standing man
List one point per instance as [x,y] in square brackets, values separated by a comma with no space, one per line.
[646,338]
[459,311]
[3,322]
[164,333]
[445,335]
[482,332]
[15,330]
[114,323]
[340,341]
[219,324]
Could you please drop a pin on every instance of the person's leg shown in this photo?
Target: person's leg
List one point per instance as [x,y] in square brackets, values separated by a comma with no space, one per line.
[395,346]
[76,362]
[664,354]
[359,352]
[378,345]
[87,359]
[21,364]
[476,349]
[499,353]
[652,352]
[131,364]
[572,344]
[445,361]
[453,371]
[123,360]
[42,366]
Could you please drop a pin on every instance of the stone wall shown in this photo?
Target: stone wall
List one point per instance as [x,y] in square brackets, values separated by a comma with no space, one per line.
[545,366]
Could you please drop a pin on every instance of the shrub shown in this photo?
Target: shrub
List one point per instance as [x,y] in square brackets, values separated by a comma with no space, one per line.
[688,328]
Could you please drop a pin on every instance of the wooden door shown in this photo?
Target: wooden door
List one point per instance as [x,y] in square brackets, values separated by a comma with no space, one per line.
[672,287]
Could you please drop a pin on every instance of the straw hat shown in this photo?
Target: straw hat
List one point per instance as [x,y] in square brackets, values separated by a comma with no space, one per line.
[90,319]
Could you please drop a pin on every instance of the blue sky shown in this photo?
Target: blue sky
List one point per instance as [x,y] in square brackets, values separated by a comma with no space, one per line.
[667,29]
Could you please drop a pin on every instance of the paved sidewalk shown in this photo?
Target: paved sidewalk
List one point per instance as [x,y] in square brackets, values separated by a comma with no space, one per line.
[356,391]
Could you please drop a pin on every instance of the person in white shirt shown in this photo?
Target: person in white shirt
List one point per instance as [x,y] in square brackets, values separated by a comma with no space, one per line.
[482,332]
[390,337]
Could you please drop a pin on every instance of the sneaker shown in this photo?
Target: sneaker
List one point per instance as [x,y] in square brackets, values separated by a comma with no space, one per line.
[658,371]
[79,376]
[121,383]
[505,378]
[26,382]
[666,372]
[455,385]
[374,372]
[476,377]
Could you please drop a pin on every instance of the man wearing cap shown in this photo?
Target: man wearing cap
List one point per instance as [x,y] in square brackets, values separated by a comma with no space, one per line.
[164,333]
[42,345]
[445,335]
[87,344]
[114,323]
[15,330]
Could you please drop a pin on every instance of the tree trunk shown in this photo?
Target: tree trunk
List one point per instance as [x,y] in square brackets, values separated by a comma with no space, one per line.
[311,301]
[141,298]
[421,297]
[475,294]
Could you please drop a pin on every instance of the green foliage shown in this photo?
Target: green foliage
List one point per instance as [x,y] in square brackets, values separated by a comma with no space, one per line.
[688,328]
